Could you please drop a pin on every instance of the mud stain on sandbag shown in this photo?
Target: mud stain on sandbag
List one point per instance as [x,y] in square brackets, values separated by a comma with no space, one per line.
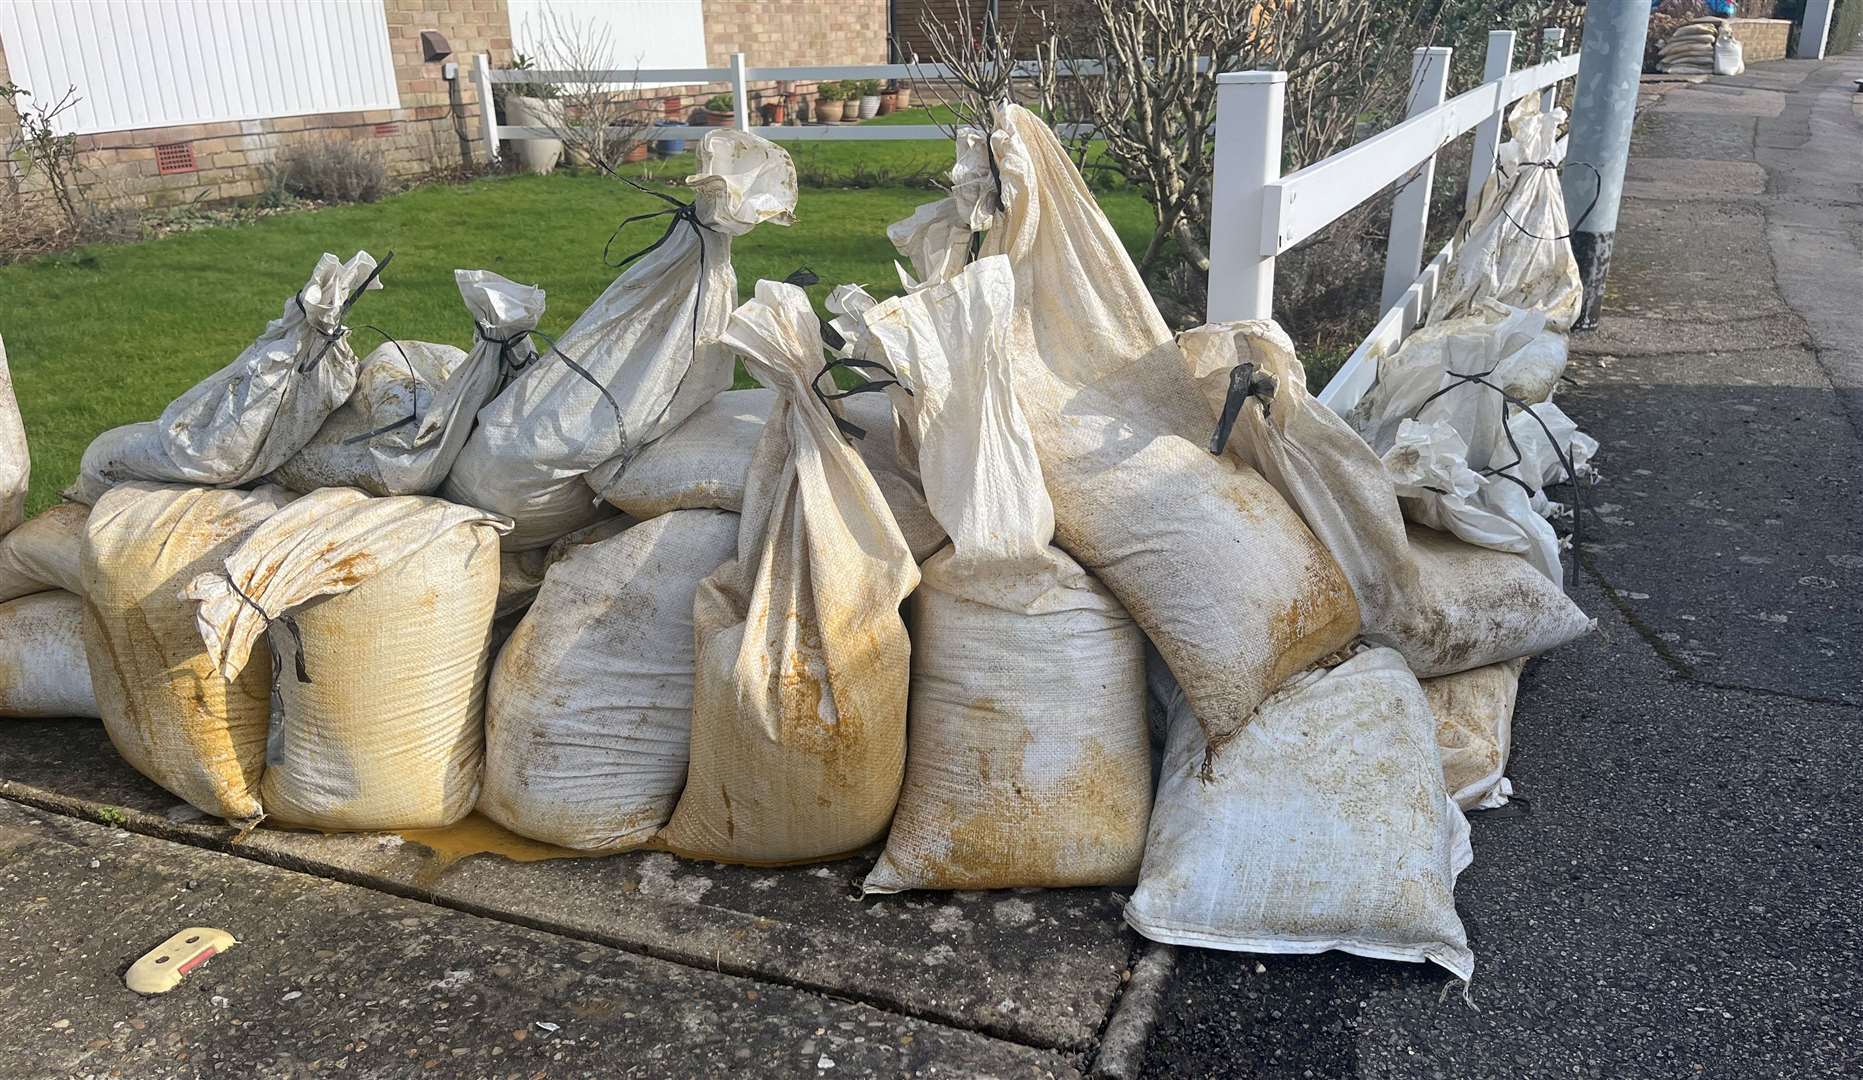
[477,834]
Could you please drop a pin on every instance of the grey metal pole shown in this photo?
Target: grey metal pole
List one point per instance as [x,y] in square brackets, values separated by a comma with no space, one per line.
[1604,107]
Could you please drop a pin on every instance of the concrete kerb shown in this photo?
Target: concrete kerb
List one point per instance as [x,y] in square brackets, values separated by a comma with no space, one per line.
[1122,1044]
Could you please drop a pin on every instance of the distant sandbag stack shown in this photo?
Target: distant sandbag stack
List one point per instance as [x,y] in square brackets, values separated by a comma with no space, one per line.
[1028,759]
[378,612]
[42,667]
[254,414]
[800,678]
[166,706]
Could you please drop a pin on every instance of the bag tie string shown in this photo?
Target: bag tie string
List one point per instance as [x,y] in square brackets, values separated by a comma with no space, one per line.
[679,213]
[864,386]
[331,337]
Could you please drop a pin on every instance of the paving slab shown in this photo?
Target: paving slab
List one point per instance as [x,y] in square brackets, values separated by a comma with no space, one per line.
[1694,134]
[1040,967]
[331,979]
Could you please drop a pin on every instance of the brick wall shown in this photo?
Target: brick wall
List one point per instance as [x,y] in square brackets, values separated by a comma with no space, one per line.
[231,157]
[1023,22]
[1762,39]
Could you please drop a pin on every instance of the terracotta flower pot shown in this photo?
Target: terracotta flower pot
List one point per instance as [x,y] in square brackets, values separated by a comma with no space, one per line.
[717,119]
[889,103]
[829,112]
[903,97]
[637,152]
[773,112]
[869,106]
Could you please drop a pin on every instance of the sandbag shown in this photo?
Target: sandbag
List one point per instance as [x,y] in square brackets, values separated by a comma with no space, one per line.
[252,415]
[701,464]
[164,703]
[1182,538]
[1513,245]
[1474,713]
[1729,54]
[588,718]
[42,667]
[15,461]
[1441,615]
[800,676]
[890,456]
[414,402]
[380,611]
[1430,467]
[645,355]
[1028,762]
[1322,825]
[45,553]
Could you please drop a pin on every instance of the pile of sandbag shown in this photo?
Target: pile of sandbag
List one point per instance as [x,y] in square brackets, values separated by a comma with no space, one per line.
[1689,49]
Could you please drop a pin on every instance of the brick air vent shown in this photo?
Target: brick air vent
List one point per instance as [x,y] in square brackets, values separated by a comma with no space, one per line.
[175,157]
[382,131]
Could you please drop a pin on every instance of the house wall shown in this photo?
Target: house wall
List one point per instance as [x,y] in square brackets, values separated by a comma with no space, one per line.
[231,157]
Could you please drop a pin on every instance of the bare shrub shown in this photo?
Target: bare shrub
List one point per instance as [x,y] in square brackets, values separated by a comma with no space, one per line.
[330,171]
[596,122]
[47,204]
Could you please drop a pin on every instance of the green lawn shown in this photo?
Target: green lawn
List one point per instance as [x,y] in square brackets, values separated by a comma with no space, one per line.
[110,334]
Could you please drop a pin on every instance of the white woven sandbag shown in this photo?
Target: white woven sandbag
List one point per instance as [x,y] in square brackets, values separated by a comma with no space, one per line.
[588,718]
[887,449]
[1474,713]
[15,460]
[647,350]
[799,682]
[1028,762]
[45,553]
[165,705]
[1514,247]
[1182,538]
[379,611]
[521,573]
[1322,825]
[1511,348]
[252,415]
[1506,607]
[701,464]
[1429,465]
[1729,54]
[42,667]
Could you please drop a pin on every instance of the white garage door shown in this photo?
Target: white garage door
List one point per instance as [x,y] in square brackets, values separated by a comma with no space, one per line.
[156,63]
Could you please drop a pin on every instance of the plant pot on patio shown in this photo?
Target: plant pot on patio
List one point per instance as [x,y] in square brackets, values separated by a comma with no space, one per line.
[829,110]
[637,152]
[869,106]
[720,111]
[903,97]
[772,112]
[538,156]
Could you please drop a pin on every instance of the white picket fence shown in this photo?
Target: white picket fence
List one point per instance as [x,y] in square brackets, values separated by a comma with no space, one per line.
[738,76]
[1258,214]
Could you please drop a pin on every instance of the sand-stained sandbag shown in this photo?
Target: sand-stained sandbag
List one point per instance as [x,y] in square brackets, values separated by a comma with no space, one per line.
[45,553]
[1210,561]
[588,718]
[800,678]
[1322,825]
[379,611]
[1441,614]
[252,415]
[646,354]
[42,667]
[1430,466]
[699,465]
[1028,762]
[165,705]
[15,460]
[1513,243]
[1474,713]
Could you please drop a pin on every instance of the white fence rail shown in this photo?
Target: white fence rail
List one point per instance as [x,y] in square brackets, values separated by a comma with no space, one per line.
[1258,214]
[738,75]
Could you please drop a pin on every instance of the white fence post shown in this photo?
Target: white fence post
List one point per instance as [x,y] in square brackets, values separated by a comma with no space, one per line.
[740,92]
[1410,210]
[1815,32]
[1488,136]
[488,111]
[1248,157]
[1552,47]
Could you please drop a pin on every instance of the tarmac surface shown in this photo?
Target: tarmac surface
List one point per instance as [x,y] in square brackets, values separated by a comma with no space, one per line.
[1679,892]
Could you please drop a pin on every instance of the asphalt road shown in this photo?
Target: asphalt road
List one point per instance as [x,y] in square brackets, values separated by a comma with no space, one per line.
[1680,892]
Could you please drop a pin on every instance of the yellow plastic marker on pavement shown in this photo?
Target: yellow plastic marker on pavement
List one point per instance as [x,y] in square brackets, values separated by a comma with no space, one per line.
[161,968]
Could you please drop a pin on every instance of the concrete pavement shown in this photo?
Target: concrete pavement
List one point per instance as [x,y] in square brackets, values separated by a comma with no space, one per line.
[1680,892]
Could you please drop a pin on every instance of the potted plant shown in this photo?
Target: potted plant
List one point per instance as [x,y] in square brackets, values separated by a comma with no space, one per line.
[829,102]
[773,112]
[902,92]
[869,94]
[889,102]
[719,110]
[529,104]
